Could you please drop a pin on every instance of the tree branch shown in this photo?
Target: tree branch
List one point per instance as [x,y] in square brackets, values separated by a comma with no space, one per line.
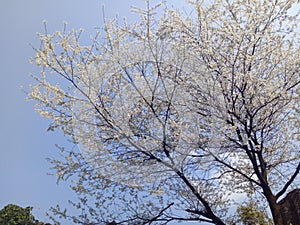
[290,181]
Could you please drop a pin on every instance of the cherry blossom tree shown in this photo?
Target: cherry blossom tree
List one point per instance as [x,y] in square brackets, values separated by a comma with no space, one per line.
[174,116]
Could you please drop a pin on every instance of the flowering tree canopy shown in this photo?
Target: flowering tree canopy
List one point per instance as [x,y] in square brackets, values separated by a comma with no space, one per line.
[177,114]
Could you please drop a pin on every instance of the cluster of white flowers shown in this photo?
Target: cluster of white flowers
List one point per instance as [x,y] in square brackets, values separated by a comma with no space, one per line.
[212,98]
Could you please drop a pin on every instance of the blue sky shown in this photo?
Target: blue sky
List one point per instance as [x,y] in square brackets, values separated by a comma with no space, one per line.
[24,141]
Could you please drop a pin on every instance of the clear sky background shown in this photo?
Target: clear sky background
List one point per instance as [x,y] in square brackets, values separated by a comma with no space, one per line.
[24,142]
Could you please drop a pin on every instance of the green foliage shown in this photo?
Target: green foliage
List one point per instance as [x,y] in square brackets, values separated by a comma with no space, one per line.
[16,215]
[250,214]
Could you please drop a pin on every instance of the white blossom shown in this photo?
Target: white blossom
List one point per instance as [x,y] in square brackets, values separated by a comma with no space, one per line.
[192,109]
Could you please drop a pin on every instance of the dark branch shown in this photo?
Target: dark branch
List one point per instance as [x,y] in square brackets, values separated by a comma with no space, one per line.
[293,177]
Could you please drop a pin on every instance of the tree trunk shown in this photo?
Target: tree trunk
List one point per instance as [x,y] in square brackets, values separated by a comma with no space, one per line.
[287,211]
[290,208]
[274,207]
[276,214]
